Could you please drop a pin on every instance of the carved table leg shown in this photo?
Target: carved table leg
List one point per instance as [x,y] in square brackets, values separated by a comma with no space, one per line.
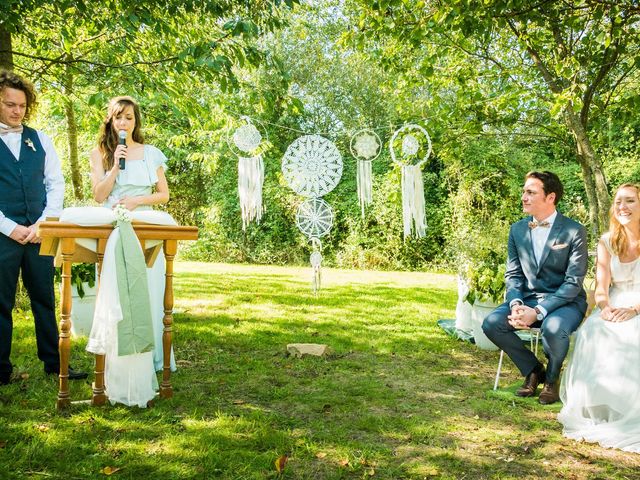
[64,342]
[170,248]
[99,397]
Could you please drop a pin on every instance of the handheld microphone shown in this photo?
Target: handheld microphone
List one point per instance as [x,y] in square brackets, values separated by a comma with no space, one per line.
[122,135]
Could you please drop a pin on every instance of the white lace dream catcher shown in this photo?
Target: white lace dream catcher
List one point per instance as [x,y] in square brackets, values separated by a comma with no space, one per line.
[312,166]
[365,146]
[247,143]
[314,219]
[414,145]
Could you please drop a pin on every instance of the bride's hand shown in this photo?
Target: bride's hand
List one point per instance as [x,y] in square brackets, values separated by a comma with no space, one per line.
[621,314]
[607,313]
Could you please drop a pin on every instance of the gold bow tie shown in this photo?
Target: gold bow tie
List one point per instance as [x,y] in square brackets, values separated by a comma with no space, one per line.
[535,224]
[6,130]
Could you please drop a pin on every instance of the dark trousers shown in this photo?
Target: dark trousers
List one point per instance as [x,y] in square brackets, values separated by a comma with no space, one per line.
[37,276]
[556,330]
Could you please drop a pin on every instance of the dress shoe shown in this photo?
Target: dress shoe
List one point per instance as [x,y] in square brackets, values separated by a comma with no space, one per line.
[550,393]
[73,374]
[530,384]
[5,378]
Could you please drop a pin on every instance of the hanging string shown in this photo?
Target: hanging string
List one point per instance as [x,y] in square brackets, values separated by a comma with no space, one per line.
[365,184]
[303,132]
[250,180]
[316,263]
[413,211]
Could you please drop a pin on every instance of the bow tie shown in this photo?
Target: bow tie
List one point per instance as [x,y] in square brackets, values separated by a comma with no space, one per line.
[7,130]
[535,224]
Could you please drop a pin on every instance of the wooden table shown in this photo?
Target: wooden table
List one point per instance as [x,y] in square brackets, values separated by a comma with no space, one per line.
[59,240]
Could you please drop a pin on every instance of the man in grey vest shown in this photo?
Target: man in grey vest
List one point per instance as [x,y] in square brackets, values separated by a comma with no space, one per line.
[546,265]
[31,189]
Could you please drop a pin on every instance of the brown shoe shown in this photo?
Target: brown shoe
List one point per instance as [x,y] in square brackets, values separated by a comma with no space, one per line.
[530,384]
[550,393]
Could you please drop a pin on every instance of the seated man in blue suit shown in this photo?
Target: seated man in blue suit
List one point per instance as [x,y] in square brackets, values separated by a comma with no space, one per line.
[546,265]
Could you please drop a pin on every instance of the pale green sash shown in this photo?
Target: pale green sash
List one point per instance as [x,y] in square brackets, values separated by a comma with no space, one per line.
[135,330]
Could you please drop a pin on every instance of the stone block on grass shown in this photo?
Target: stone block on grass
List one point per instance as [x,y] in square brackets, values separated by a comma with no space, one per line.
[300,349]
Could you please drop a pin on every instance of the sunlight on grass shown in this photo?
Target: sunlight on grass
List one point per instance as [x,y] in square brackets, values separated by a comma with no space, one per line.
[395,399]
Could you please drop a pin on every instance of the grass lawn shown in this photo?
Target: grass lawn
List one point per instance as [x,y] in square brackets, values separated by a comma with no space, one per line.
[396,399]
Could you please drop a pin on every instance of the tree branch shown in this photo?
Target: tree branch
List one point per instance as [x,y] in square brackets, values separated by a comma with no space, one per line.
[61,61]
[554,84]
[609,59]
[616,84]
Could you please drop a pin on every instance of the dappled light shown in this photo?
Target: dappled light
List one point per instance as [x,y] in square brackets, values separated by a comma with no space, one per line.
[395,396]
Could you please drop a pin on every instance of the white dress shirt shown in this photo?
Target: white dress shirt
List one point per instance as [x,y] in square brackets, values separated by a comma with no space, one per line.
[539,237]
[53,178]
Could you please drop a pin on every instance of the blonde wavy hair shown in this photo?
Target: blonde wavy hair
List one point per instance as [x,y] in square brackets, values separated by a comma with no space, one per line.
[618,234]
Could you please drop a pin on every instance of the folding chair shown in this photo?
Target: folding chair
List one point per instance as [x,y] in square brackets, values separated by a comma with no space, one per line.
[534,341]
[534,335]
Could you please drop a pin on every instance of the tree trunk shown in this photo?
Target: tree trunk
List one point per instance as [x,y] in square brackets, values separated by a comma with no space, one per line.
[72,136]
[587,155]
[6,49]
[592,198]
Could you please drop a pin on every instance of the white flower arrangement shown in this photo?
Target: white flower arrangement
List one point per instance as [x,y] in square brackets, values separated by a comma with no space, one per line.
[122,214]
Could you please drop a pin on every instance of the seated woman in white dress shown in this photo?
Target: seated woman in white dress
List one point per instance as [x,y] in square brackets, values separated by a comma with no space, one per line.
[600,388]
[137,186]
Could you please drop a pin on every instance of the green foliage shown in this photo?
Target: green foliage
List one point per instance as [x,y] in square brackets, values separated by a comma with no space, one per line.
[456,68]
[485,277]
[517,67]
[81,274]
[486,178]
[23,302]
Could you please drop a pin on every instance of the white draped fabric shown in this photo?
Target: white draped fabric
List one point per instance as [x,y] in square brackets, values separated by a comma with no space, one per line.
[250,181]
[413,208]
[129,379]
[600,388]
[364,184]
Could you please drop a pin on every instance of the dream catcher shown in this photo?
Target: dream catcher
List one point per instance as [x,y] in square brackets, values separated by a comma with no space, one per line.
[312,166]
[413,144]
[248,143]
[314,219]
[365,146]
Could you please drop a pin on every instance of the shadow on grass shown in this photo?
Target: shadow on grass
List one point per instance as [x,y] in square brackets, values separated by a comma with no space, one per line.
[397,398]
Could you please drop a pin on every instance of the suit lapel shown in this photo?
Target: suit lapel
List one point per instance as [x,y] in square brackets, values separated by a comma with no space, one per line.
[525,248]
[556,228]
[528,244]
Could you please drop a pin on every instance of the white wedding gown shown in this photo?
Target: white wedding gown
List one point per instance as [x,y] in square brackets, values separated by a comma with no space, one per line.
[600,388]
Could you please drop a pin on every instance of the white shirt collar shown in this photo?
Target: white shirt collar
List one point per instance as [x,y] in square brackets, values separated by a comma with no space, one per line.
[551,218]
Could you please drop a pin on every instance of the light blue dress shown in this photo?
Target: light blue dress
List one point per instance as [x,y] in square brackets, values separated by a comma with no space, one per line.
[138,178]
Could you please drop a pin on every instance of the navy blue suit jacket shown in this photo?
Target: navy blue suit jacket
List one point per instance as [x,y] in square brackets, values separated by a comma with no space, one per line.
[557,279]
